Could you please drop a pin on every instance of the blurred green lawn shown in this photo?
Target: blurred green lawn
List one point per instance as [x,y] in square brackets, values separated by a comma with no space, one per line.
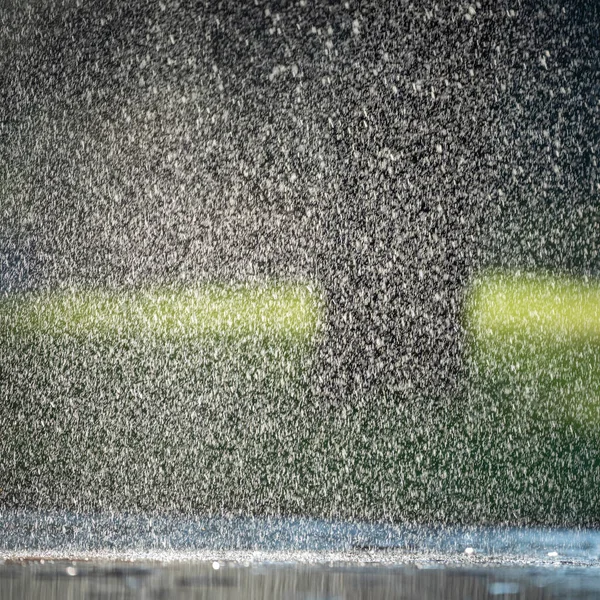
[538,337]
[201,399]
[277,309]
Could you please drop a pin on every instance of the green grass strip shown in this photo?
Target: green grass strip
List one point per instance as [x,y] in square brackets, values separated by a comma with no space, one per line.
[291,310]
[505,305]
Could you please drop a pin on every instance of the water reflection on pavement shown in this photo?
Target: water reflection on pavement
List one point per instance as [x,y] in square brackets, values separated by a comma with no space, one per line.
[50,580]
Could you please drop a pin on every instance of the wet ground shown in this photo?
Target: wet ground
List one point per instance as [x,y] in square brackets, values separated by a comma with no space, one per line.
[49,556]
[99,579]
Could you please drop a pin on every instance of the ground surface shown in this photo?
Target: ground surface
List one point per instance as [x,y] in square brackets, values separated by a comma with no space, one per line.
[42,579]
[63,555]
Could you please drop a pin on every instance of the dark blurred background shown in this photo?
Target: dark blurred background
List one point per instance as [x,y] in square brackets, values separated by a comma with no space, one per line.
[387,150]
